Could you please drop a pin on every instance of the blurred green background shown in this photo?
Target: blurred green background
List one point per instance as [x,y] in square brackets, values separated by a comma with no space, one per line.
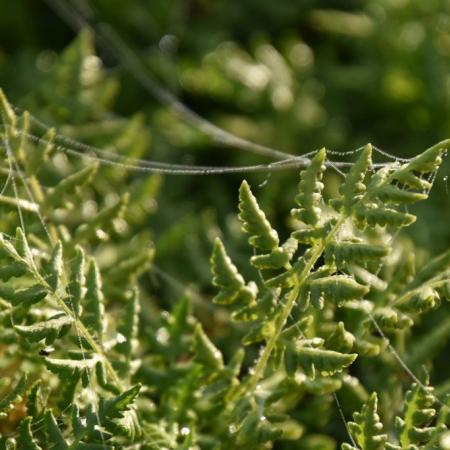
[295,75]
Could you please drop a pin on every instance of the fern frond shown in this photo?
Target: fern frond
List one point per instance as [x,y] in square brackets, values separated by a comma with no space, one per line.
[367,428]
[13,270]
[7,110]
[55,269]
[128,331]
[310,191]
[76,288]
[338,288]
[14,396]
[49,330]
[254,221]
[26,440]
[54,435]
[414,427]
[437,267]
[24,297]
[316,360]
[353,187]
[94,311]
[340,340]
[206,353]
[228,279]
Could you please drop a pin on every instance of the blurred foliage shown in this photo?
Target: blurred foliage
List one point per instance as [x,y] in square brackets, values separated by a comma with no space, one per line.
[296,75]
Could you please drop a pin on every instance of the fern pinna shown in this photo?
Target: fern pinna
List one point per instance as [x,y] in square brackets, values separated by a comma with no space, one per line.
[87,365]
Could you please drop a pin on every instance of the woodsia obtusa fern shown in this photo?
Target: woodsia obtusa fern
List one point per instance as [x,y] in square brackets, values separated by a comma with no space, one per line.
[87,364]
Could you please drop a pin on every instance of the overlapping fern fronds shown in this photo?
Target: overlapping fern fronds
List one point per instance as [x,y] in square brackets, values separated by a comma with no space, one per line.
[89,363]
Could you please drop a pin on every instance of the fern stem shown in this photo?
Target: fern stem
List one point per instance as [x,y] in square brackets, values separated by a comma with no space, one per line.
[258,371]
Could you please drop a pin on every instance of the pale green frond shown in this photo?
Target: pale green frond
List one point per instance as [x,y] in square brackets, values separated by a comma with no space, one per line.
[367,427]
[227,278]
[94,311]
[15,395]
[353,186]
[205,352]
[414,426]
[316,361]
[76,288]
[26,440]
[128,331]
[254,221]
[310,191]
[55,269]
[337,288]
[48,330]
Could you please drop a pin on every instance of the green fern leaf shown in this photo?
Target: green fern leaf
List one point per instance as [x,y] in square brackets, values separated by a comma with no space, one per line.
[22,247]
[366,428]
[14,396]
[33,399]
[339,288]
[275,260]
[25,440]
[256,431]
[55,267]
[55,438]
[94,311]
[311,235]
[48,330]
[228,279]
[320,361]
[14,269]
[426,162]
[414,427]
[373,214]
[9,248]
[114,407]
[436,267]
[71,371]
[310,191]
[259,332]
[340,340]
[420,300]
[25,297]
[342,252]
[390,319]
[353,187]
[393,194]
[254,221]
[102,379]
[6,110]
[76,288]
[118,416]
[206,353]
[128,331]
